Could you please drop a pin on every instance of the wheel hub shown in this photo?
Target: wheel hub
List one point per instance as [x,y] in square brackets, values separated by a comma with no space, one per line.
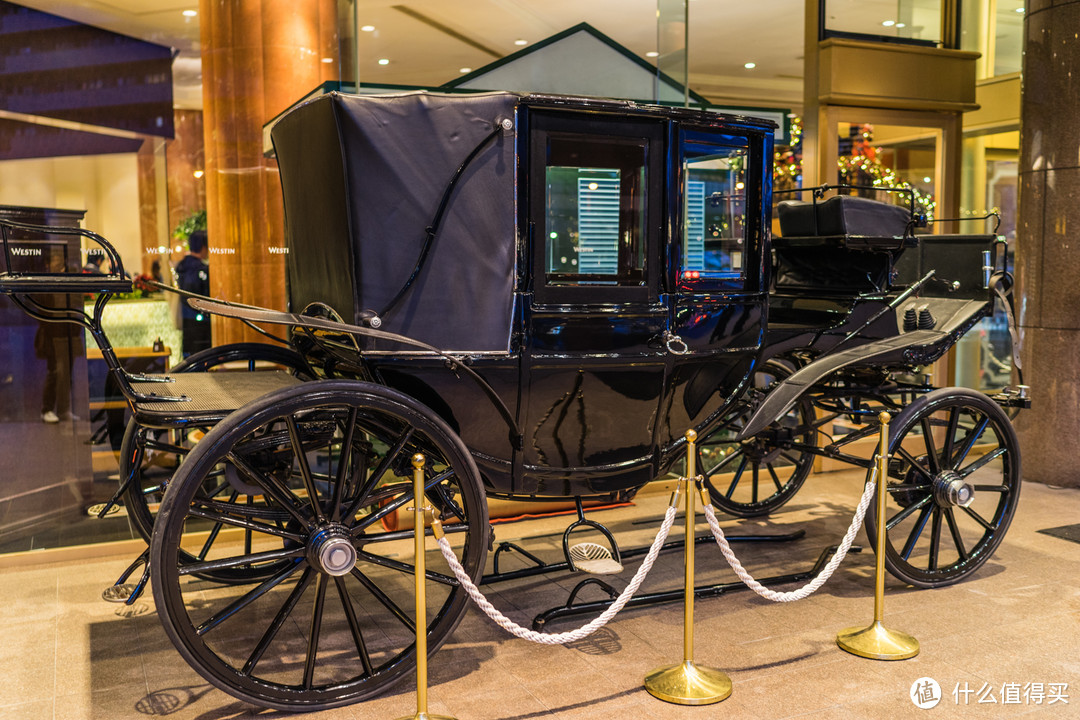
[950,489]
[331,550]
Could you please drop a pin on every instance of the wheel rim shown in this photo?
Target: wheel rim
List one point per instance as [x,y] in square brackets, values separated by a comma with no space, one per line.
[757,476]
[953,485]
[335,623]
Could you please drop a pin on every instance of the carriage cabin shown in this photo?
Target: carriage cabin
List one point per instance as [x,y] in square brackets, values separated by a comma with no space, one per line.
[602,264]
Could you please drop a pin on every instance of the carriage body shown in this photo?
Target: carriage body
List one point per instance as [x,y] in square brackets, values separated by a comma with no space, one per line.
[567,259]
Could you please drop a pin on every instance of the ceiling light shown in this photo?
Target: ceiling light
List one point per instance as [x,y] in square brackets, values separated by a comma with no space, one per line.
[900,25]
[384,61]
[750,65]
[927,179]
[328,60]
[652,53]
[367,28]
[198,174]
[1019,9]
[190,13]
[888,23]
[464,70]
[519,41]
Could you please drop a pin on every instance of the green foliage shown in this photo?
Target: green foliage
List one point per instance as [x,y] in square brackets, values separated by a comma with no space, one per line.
[193,222]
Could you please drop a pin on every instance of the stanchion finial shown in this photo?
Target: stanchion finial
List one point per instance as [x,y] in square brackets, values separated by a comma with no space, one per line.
[687,683]
[876,641]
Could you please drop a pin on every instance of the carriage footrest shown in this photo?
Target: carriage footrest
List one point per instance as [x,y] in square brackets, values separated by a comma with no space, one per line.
[594,559]
[11,283]
[204,396]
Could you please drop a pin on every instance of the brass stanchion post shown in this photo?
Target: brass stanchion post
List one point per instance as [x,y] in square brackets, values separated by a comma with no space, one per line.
[687,683]
[419,525]
[876,641]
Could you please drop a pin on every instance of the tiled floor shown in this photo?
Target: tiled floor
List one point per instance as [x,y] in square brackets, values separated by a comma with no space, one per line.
[67,654]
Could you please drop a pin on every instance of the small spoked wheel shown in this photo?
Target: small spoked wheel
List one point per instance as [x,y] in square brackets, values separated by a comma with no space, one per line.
[758,475]
[333,623]
[954,480]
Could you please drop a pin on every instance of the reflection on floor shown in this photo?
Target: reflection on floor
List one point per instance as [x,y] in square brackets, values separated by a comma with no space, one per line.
[1004,636]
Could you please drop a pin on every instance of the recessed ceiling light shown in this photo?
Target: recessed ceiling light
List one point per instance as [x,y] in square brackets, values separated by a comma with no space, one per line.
[900,25]
[927,179]
[190,13]
[384,61]
[652,53]
[750,65]
[519,41]
[198,174]
[367,28]
[464,70]
[1019,9]
[888,23]
[328,60]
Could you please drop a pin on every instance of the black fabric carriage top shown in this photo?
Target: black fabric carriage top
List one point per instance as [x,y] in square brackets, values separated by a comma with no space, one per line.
[362,178]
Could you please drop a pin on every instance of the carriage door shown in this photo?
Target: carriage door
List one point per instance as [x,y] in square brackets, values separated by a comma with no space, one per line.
[593,368]
[719,274]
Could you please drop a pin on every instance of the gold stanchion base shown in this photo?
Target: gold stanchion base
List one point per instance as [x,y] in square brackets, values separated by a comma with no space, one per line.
[877,643]
[425,716]
[688,684]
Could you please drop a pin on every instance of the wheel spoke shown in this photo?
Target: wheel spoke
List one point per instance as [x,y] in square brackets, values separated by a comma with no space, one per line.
[775,478]
[916,531]
[935,539]
[271,555]
[738,476]
[305,470]
[727,458]
[1005,489]
[244,600]
[354,625]
[377,474]
[384,599]
[958,541]
[754,480]
[343,466]
[950,432]
[390,507]
[214,532]
[405,568]
[979,519]
[914,463]
[314,630]
[249,525]
[270,485]
[970,440]
[931,452]
[982,462]
[282,615]
[903,514]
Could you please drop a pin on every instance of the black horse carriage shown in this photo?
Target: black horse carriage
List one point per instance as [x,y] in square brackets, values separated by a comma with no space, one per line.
[540,294]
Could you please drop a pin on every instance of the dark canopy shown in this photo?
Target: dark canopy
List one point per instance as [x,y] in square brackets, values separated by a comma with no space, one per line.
[363,178]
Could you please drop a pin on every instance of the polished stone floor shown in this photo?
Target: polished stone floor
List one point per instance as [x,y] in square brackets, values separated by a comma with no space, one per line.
[1011,634]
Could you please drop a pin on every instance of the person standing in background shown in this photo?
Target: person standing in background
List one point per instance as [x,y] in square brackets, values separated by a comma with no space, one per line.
[193,275]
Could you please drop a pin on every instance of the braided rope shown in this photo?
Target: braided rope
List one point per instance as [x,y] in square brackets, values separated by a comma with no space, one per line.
[822,577]
[571,635]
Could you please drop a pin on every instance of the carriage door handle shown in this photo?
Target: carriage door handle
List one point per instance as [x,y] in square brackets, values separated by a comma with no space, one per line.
[674,344]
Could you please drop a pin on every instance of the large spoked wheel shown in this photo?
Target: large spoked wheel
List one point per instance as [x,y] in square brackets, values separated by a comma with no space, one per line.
[334,623]
[162,451]
[758,475]
[954,480]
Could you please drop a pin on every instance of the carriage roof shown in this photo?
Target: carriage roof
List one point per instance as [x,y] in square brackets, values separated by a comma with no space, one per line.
[363,177]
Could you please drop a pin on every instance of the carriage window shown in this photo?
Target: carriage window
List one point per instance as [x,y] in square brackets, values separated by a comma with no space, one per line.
[714,211]
[595,210]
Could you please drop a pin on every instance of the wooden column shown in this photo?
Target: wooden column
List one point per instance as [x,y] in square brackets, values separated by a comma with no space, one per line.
[259,57]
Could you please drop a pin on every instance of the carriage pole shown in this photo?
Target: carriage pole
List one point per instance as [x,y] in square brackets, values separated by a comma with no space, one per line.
[419,528]
[687,683]
[876,641]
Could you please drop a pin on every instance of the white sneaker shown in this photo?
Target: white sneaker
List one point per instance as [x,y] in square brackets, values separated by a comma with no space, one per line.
[50,417]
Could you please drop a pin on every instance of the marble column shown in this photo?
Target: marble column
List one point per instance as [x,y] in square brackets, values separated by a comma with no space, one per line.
[258,58]
[1048,242]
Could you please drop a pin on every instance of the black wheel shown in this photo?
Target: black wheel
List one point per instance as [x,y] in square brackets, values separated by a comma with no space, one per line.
[758,475]
[954,480]
[335,624]
[162,450]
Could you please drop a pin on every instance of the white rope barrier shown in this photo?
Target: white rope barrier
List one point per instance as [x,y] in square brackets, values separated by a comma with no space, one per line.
[571,635]
[822,577]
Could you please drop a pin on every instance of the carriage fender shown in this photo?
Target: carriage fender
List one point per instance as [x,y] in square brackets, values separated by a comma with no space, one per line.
[784,396]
